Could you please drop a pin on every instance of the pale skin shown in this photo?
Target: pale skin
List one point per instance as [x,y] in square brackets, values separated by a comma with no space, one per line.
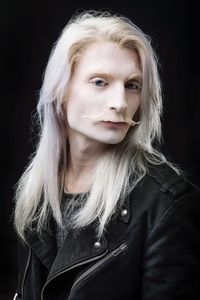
[106,82]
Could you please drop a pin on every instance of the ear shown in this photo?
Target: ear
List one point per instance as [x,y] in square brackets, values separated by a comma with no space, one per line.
[63,111]
[64,106]
[136,116]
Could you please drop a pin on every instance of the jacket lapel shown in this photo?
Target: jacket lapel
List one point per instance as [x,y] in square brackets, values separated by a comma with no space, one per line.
[78,249]
[44,247]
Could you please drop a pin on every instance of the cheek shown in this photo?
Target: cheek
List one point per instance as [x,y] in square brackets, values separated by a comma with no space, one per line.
[75,103]
[134,105]
[72,111]
[77,108]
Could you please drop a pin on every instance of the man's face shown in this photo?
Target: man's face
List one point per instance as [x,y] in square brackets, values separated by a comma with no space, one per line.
[104,93]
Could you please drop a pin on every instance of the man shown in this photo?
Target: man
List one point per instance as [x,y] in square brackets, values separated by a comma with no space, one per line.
[100,212]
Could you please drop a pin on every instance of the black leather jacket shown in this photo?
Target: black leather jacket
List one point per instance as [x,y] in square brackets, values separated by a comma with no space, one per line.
[151,251]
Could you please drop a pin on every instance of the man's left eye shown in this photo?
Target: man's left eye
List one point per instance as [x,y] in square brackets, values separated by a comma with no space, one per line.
[133,85]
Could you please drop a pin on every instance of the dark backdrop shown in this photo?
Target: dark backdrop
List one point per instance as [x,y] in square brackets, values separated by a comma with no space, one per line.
[28,31]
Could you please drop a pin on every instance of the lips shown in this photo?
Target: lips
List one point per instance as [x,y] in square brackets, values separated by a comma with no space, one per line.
[112,124]
[105,117]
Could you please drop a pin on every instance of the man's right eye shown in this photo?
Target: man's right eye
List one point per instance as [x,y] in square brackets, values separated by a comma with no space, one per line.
[99,82]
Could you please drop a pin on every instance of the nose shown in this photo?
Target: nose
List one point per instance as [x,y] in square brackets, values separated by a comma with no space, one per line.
[117,100]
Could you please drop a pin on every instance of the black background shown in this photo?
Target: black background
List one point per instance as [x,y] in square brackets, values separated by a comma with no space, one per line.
[28,31]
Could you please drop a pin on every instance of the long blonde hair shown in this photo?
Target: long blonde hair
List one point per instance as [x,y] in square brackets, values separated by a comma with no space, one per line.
[39,190]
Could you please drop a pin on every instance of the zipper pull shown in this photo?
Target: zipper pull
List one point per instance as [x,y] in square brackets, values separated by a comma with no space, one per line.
[120,249]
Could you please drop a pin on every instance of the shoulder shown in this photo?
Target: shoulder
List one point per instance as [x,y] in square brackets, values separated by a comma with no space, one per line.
[164,180]
[163,192]
[175,191]
[168,181]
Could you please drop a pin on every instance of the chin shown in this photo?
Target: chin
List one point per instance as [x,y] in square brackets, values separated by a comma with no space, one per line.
[114,141]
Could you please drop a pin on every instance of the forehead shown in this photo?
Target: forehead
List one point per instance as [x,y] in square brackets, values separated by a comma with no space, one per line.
[108,57]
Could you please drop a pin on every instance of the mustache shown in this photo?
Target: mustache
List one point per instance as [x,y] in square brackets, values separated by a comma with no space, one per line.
[109,116]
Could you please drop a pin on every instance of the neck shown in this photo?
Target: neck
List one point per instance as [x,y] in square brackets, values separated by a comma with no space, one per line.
[83,157]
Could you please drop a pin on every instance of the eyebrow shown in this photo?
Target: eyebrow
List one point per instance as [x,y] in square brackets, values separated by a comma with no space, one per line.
[137,75]
[101,74]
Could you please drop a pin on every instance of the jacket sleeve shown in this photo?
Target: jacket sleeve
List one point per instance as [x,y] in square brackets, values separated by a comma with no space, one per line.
[171,265]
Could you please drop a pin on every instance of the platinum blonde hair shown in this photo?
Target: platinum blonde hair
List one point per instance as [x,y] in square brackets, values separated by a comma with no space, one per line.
[40,188]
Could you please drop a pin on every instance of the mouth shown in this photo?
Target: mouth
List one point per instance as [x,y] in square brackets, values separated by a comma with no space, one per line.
[121,121]
[111,124]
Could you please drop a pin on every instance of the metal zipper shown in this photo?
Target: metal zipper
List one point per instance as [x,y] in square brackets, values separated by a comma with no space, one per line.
[26,269]
[70,268]
[114,253]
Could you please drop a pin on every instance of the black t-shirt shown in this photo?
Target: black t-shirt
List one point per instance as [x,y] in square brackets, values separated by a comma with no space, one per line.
[71,203]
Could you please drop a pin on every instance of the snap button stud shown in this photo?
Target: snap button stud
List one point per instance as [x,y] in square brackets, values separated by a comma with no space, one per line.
[97,245]
[124,212]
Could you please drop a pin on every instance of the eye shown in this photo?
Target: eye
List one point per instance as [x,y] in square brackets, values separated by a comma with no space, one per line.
[99,82]
[133,85]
